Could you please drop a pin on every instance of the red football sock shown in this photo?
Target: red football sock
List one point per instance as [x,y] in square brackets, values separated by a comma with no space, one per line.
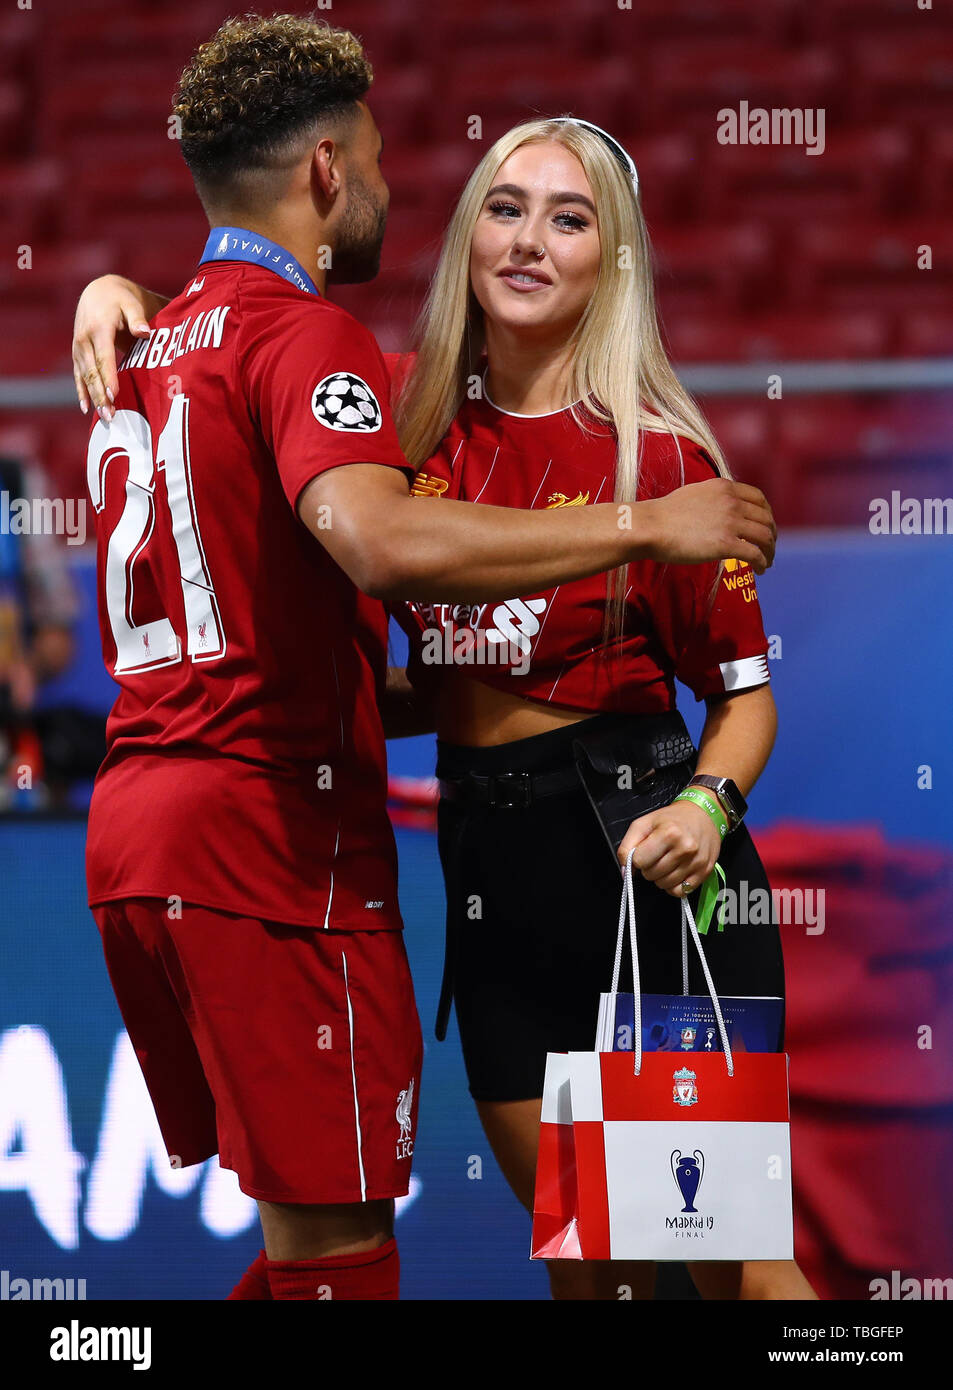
[368,1275]
[254,1282]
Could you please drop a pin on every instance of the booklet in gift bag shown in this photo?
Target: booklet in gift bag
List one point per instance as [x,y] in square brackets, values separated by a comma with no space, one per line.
[682,1023]
[686,1022]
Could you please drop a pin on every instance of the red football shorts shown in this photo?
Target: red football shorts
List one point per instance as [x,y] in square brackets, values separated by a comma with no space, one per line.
[293,1054]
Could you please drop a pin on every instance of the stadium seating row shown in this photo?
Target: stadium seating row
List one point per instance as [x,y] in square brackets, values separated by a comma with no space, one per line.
[764,253]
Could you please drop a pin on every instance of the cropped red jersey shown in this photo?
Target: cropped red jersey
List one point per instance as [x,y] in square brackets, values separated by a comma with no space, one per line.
[546,646]
[245,766]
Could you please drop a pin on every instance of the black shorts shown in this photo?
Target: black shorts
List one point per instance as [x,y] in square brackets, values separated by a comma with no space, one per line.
[533,895]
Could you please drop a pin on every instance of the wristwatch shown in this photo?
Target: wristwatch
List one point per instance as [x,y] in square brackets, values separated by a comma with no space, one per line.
[729,797]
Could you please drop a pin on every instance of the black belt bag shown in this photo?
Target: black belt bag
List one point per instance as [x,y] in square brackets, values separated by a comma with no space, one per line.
[630,770]
[622,756]
[628,766]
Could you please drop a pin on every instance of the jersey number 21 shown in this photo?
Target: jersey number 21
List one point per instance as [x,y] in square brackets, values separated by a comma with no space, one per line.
[150,645]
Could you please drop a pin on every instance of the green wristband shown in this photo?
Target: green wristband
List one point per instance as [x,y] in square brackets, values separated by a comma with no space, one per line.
[705,802]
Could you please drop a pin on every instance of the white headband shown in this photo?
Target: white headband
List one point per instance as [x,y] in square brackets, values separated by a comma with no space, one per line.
[624,158]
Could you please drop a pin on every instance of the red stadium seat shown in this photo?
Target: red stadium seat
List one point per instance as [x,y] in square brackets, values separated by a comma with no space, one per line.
[851,450]
[912,72]
[858,172]
[387,308]
[847,262]
[927,333]
[729,263]
[598,90]
[34,339]
[403,109]
[429,179]
[167,34]
[936,169]
[57,275]
[173,241]
[838,19]
[505,32]
[689,81]
[734,19]
[670,172]
[17,44]
[15,124]
[781,337]
[31,200]
[132,95]
[412,241]
[159,189]
[746,431]
[764,254]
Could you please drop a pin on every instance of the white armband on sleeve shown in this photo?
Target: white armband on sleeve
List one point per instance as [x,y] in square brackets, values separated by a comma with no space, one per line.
[747,671]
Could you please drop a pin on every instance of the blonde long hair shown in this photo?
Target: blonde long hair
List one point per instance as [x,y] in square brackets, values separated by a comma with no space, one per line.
[619,371]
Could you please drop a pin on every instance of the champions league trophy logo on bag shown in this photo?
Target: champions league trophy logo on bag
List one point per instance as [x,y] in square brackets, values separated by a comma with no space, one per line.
[688,1173]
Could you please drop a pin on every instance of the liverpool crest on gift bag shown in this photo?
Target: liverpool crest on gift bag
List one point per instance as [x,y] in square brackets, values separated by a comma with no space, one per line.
[644,1160]
[684,1092]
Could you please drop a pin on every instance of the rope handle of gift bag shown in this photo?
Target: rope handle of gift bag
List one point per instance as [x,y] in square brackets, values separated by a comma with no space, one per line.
[688,924]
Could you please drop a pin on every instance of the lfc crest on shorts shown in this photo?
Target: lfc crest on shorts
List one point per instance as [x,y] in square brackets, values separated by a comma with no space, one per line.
[405,1104]
[684,1092]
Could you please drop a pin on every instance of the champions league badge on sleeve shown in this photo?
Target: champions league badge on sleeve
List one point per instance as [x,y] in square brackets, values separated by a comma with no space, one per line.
[345,402]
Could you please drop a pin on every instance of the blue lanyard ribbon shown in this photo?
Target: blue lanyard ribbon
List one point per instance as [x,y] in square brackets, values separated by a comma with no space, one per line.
[238,244]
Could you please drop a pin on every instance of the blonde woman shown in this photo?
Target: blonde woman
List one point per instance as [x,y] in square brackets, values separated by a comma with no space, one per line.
[540,381]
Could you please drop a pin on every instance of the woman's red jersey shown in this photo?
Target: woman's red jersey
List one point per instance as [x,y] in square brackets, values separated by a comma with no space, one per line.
[548,646]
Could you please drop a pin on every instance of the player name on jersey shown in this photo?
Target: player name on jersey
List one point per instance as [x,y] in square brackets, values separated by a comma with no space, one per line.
[164,345]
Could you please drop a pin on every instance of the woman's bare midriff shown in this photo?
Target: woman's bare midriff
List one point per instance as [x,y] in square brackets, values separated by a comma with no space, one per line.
[477,715]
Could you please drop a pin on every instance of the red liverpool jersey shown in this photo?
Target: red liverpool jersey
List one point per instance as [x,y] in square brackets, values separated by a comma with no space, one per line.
[245,766]
[548,646]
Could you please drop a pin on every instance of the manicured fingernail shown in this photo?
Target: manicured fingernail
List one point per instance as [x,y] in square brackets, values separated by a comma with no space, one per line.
[110,394]
[84,407]
[142,328]
[103,414]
